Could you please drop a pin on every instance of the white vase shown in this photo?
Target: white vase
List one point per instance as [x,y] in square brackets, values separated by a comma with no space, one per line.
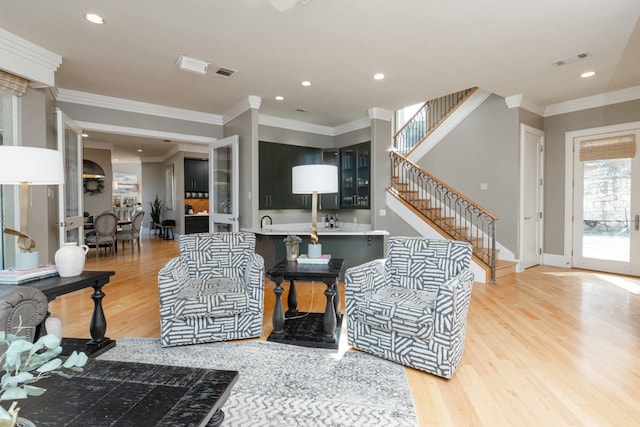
[70,259]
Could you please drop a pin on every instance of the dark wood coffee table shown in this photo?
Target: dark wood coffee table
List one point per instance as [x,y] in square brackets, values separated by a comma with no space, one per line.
[310,329]
[109,393]
[55,286]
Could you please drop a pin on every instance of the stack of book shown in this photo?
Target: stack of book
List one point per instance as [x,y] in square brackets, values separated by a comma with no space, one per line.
[324,259]
[17,277]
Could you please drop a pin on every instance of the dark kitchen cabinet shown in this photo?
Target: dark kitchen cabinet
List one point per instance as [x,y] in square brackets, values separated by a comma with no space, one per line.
[355,175]
[196,177]
[196,224]
[275,163]
[330,201]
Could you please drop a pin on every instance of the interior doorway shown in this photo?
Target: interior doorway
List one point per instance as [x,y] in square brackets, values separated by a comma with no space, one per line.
[531,195]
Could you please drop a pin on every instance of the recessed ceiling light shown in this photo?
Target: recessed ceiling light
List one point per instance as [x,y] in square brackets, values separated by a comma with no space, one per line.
[85,135]
[588,74]
[378,76]
[94,19]
[116,160]
[279,98]
[139,150]
[306,83]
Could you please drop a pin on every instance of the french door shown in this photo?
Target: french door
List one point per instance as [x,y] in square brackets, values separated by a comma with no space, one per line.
[606,224]
[70,210]
[224,209]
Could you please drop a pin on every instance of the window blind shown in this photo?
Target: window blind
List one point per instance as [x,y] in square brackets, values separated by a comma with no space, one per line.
[14,84]
[619,147]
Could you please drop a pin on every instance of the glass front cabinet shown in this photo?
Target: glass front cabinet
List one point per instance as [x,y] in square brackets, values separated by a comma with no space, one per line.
[354,176]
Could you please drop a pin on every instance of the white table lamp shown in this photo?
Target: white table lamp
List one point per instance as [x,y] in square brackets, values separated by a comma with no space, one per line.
[314,180]
[27,166]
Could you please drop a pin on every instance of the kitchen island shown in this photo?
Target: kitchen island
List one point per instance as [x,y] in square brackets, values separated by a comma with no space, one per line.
[355,243]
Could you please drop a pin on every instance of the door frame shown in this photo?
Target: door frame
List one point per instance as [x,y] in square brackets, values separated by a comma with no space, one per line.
[569,172]
[64,122]
[524,129]
[234,143]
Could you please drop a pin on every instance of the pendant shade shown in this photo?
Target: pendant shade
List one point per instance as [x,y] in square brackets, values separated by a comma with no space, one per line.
[92,170]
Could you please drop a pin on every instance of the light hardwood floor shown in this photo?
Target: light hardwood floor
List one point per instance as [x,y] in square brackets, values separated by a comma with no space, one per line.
[547,347]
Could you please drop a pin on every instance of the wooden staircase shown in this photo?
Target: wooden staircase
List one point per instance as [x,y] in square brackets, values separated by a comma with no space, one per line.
[448,228]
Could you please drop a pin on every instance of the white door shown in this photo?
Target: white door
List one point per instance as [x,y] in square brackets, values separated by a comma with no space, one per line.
[70,207]
[224,206]
[532,172]
[606,201]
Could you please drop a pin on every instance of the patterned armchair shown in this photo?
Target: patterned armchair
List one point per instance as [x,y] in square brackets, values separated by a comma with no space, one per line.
[412,307]
[214,291]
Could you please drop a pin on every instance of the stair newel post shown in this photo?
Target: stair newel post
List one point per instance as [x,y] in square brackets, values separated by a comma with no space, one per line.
[493,252]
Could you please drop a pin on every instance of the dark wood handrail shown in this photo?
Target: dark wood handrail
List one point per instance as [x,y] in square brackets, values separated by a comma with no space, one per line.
[440,182]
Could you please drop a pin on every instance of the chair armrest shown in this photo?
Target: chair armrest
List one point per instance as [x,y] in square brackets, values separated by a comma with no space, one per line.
[22,309]
[363,280]
[254,274]
[453,298]
[171,278]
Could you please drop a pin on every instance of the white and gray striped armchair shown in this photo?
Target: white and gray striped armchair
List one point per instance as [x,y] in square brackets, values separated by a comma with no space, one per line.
[214,291]
[412,307]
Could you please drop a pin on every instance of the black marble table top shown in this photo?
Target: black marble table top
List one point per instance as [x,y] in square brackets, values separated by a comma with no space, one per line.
[298,271]
[109,393]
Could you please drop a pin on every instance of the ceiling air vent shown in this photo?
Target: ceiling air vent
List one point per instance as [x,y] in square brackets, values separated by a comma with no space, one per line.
[224,72]
[572,58]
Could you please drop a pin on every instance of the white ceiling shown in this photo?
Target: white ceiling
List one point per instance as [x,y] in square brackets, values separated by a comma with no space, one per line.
[426,48]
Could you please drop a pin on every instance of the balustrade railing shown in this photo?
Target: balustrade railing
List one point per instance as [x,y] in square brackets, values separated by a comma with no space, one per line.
[426,119]
[456,215]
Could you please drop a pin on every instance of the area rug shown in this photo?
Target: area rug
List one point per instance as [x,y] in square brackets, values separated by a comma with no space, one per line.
[287,385]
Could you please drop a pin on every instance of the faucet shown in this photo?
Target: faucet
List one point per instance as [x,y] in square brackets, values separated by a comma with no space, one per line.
[262,221]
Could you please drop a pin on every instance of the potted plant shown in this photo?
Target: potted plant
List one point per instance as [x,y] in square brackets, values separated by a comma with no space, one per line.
[156,209]
[24,363]
[292,243]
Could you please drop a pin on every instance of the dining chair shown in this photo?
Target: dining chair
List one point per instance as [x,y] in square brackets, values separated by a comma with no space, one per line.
[132,234]
[104,227]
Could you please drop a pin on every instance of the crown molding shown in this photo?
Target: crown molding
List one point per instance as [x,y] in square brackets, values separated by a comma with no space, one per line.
[251,102]
[595,101]
[358,124]
[518,101]
[278,122]
[380,114]
[102,101]
[23,58]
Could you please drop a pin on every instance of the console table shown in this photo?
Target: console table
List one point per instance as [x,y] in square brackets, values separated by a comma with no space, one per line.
[310,329]
[55,286]
[111,393]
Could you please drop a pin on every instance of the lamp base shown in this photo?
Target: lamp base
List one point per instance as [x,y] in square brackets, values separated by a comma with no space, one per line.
[314,251]
[27,260]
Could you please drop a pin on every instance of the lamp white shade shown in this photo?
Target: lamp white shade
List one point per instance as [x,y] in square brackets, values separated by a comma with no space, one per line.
[34,166]
[306,179]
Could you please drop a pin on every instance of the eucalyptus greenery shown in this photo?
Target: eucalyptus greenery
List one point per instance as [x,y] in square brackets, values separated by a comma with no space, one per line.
[24,363]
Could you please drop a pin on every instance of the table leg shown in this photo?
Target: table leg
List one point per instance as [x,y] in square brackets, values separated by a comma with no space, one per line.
[329,320]
[292,298]
[98,325]
[278,314]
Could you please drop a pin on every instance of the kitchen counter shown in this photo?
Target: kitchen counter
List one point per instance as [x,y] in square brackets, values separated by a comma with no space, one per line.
[355,243]
[345,229]
[198,214]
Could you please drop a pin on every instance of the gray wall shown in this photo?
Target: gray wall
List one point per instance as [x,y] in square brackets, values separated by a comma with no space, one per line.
[97,203]
[555,128]
[246,127]
[484,149]
[153,179]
